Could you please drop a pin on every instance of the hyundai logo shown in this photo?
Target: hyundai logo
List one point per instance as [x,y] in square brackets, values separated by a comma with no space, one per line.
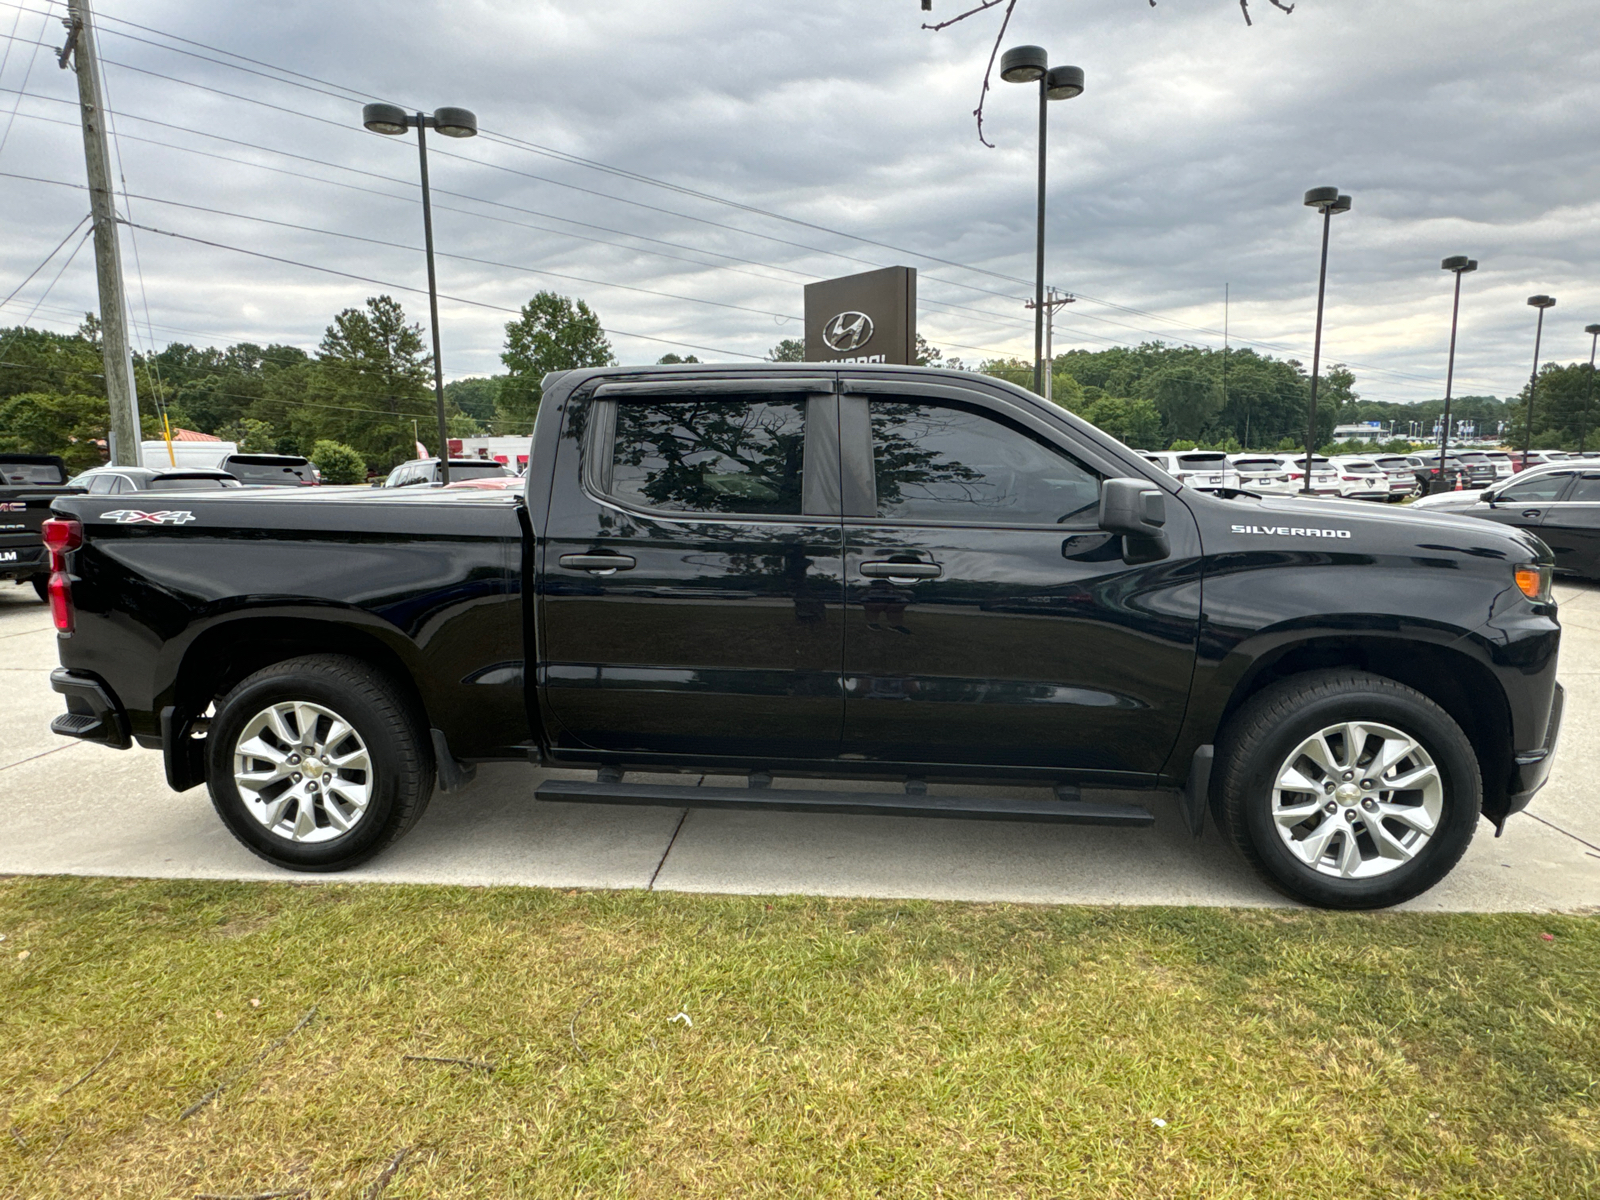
[848,331]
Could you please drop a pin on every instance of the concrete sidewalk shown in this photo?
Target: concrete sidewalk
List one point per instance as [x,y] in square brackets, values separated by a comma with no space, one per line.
[71,808]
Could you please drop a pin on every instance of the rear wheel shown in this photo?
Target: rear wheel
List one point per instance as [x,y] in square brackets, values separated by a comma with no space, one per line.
[318,763]
[1348,790]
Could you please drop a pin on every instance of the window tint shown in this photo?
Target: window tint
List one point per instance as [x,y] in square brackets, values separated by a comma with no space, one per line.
[1586,489]
[26,472]
[483,470]
[724,455]
[1540,488]
[934,463]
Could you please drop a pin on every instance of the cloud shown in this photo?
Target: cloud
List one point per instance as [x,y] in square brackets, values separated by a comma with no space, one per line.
[1459,129]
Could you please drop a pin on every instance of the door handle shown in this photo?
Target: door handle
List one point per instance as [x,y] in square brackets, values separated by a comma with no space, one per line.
[599,564]
[1531,512]
[901,570]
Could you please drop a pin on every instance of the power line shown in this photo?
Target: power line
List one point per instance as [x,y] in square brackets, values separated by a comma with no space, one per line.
[44,262]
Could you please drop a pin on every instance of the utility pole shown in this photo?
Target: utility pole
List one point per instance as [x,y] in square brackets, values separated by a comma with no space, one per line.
[1054,301]
[121,394]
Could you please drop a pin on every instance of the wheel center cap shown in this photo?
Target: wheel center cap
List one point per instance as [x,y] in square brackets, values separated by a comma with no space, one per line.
[1347,794]
[312,767]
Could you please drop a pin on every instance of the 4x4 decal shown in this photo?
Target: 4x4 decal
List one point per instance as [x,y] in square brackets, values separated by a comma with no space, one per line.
[132,516]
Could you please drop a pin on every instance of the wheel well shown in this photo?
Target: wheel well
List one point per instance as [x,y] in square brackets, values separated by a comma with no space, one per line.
[222,657]
[1465,689]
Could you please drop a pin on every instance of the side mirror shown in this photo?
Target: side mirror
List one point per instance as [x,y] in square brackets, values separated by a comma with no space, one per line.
[1137,510]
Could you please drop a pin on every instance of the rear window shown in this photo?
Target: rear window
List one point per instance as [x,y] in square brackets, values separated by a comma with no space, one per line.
[191,483]
[1395,464]
[1472,458]
[1203,462]
[1257,464]
[27,473]
[484,470]
[293,474]
[1359,464]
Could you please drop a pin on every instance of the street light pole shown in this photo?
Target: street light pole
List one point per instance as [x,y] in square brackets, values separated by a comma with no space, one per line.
[1460,264]
[1541,303]
[1327,201]
[1583,419]
[1025,64]
[452,122]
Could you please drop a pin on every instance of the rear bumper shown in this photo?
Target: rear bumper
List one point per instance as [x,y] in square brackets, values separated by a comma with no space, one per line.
[1530,771]
[93,712]
[23,562]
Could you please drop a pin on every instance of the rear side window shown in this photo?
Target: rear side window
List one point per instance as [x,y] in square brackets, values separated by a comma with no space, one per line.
[947,464]
[29,473]
[740,454]
[1586,489]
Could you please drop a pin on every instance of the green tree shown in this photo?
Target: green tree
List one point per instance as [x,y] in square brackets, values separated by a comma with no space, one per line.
[1135,422]
[474,396]
[669,358]
[53,423]
[253,436]
[788,350]
[1187,398]
[369,383]
[339,463]
[553,333]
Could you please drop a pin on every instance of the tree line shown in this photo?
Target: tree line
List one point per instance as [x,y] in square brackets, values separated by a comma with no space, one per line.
[363,398]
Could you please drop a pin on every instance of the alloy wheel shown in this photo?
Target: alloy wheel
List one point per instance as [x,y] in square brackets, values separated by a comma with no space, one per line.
[1357,799]
[302,771]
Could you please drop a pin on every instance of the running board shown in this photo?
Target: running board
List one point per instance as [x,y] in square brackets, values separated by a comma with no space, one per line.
[1056,812]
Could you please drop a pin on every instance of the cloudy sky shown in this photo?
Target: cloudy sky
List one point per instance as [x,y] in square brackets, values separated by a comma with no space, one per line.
[687,167]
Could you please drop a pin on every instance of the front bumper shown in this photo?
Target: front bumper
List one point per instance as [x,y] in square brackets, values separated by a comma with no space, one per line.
[93,712]
[1530,771]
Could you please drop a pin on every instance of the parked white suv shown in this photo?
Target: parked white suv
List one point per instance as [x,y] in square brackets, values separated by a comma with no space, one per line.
[1402,479]
[1263,473]
[1324,478]
[1504,468]
[1203,469]
[1361,478]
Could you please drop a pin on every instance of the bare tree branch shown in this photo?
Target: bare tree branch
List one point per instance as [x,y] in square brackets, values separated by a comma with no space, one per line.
[963,16]
[1244,7]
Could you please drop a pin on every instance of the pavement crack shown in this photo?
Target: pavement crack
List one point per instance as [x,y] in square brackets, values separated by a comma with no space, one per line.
[41,754]
[1551,825]
[682,817]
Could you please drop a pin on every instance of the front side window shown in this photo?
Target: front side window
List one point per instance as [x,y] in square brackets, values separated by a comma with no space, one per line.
[1538,490]
[938,463]
[722,454]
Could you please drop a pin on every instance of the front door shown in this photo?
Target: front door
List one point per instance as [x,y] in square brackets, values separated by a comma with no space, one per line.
[1523,503]
[1571,526]
[988,621]
[692,572]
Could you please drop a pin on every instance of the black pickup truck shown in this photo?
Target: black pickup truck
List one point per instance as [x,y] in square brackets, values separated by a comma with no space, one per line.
[854,573]
[28,485]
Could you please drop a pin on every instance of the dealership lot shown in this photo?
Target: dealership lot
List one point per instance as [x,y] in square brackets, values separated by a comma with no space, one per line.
[73,808]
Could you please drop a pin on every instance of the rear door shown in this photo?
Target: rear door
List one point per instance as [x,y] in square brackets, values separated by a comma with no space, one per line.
[988,621]
[691,570]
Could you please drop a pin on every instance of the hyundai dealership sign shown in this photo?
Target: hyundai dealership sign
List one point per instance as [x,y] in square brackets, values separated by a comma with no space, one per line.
[871,317]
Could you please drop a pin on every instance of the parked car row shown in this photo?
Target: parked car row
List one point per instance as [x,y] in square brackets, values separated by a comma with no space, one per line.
[1558,501]
[1354,477]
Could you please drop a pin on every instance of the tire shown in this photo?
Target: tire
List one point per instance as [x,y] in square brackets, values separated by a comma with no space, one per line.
[1356,865]
[41,588]
[372,789]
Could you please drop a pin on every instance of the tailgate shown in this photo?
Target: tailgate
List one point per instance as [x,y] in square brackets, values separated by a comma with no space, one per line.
[22,511]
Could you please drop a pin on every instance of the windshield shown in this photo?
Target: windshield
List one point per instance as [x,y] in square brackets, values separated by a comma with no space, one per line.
[484,470]
[191,483]
[27,472]
[290,474]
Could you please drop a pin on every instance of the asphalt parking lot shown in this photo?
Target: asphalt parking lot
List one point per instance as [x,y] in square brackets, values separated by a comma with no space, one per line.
[71,808]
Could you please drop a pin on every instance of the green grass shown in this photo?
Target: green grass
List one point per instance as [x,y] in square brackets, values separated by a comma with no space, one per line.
[838,1048]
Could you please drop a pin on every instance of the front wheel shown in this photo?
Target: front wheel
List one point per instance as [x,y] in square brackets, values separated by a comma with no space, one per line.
[318,763]
[1348,790]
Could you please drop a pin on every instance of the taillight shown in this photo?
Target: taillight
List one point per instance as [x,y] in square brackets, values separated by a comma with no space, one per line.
[61,537]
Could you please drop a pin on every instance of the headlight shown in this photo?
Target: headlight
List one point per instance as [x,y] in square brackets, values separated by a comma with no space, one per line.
[1533,579]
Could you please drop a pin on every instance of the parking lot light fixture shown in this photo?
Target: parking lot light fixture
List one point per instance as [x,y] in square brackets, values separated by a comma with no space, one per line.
[1540,302]
[391,119]
[1029,64]
[1327,201]
[1588,398]
[1460,264]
